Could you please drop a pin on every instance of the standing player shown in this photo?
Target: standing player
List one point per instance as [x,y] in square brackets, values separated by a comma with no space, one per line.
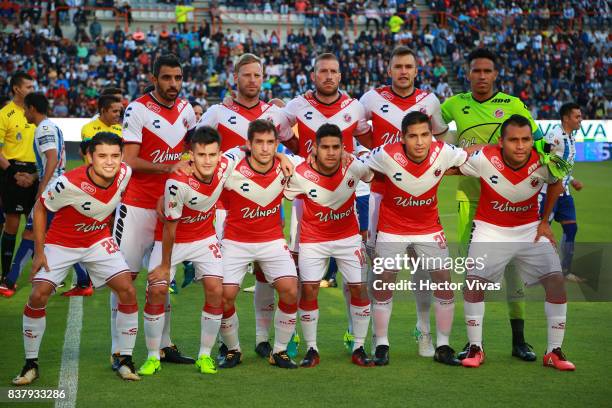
[253,233]
[18,181]
[563,143]
[386,107]
[479,115]
[232,119]
[507,227]
[83,200]
[110,109]
[329,229]
[409,220]
[154,130]
[50,161]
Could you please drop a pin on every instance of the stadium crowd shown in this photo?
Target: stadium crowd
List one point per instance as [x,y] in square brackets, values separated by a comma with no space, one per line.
[546,60]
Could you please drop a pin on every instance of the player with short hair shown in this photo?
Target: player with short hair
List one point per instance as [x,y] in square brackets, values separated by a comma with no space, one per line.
[409,223]
[155,127]
[198,110]
[386,107]
[253,233]
[110,109]
[329,229]
[507,227]
[563,143]
[479,115]
[83,200]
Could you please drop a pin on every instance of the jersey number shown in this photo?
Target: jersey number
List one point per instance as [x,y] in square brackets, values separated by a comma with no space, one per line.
[110,246]
[441,240]
[361,256]
[216,250]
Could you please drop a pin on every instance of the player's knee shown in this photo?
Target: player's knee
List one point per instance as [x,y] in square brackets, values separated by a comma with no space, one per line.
[126,294]
[157,293]
[310,292]
[40,296]
[554,286]
[443,294]
[214,293]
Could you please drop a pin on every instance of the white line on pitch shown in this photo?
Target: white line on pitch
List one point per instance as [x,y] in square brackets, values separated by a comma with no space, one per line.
[69,372]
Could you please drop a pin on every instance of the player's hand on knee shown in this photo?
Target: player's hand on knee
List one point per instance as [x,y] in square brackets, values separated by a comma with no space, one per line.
[39,261]
[544,230]
[161,273]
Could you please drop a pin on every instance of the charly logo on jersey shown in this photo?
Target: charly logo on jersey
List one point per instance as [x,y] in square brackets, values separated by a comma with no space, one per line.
[312,176]
[398,157]
[194,184]
[88,188]
[162,156]
[499,113]
[245,171]
[152,106]
[251,213]
[411,202]
[86,228]
[497,163]
[507,207]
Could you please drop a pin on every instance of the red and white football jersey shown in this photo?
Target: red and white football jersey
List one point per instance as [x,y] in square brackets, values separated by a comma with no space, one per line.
[82,208]
[253,201]
[410,203]
[386,110]
[329,201]
[193,203]
[160,131]
[309,114]
[508,198]
[232,122]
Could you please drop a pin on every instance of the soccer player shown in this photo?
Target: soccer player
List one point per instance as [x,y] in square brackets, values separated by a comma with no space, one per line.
[198,110]
[563,143]
[50,156]
[18,174]
[479,115]
[232,118]
[507,227]
[110,109]
[154,130]
[253,233]
[329,229]
[386,107]
[409,220]
[83,199]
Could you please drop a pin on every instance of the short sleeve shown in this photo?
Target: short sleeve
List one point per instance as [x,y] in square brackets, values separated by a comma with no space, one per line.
[438,124]
[375,160]
[362,123]
[521,109]
[46,138]
[445,111]
[191,117]
[209,118]
[57,195]
[285,130]
[293,189]
[133,122]
[173,200]
[455,156]
[471,167]
[3,127]
[290,111]
[366,106]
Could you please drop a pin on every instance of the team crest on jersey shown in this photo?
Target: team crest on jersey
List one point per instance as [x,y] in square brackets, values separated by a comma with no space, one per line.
[351,183]
[88,188]
[172,204]
[194,184]
[152,106]
[535,182]
[311,176]
[497,163]
[185,123]
[437,172]
[398,157]
[245,171]
[347,117]
[387,95]
[284,181]
[499,113]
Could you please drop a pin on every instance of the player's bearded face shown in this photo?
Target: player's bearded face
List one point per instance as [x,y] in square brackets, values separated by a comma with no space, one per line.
[482,75]
[326,77]
[328,153]
[263,147]
[516,144]
[205,159]
[417,141]
[402,70]
[169,82]
[112,114]
[249,80]
[106,161]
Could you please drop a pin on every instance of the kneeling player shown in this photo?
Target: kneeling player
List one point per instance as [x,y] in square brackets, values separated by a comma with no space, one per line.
[329,229]
[507,228]
[189,235]
[409,221]
[83,200]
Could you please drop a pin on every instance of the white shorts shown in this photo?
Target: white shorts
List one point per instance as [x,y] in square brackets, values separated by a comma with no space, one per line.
[348,252]
[373,209]
[430,247]
[273,257]
[102,260]
[135,234]
[205,255]
[220,216]
[297,211]
[497,246]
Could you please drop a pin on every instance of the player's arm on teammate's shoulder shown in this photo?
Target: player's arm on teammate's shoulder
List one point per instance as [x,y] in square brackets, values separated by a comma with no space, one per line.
[39,228]
[553,191]
[471,167]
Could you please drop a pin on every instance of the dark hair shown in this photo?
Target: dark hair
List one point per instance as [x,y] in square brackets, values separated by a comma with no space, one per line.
[328,129]
[38,100]
[567,108]
[194,104]
[514,120]
[166,60]
[261,126]
[106,101]
[101,138]
[111,90]
[413,118]
[483,53]
[149,88]
[18,78]
[402,50]
[205,135]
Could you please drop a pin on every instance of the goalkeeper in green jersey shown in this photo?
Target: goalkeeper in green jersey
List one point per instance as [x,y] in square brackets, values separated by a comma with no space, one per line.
[478,115]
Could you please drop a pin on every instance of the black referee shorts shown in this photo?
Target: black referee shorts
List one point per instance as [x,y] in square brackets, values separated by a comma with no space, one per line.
[16,199]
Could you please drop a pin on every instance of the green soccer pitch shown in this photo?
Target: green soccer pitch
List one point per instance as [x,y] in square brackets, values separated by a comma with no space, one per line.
[409,380]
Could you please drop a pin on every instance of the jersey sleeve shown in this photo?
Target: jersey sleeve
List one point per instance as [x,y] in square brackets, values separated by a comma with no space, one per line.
[293,189]
[46,138]
[446,110]
[438,124]
[364,101]
[209,118]
[191,117]
[290,111]
[472,165]
[362,171]
[3,127]
[133,122]
[455,156]
[374,160]
[362,123]
[295,159]
[84,132]
[57,195]
[174,196]
[285,129]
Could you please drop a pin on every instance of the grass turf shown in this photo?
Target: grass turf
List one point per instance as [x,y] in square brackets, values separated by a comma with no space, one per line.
[409,380]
